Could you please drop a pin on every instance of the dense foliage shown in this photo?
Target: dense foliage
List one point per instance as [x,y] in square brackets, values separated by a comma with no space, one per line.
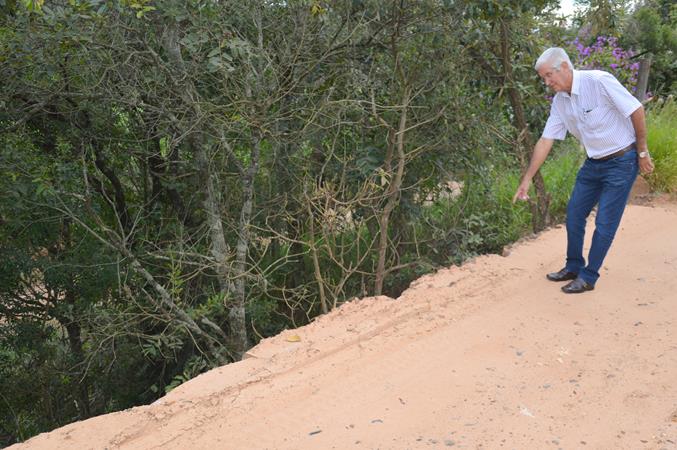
[180,179]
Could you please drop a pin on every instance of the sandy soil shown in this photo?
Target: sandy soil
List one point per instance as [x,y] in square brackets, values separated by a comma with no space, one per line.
[488,355]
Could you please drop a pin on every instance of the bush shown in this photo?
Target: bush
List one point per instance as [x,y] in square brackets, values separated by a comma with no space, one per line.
[483,218]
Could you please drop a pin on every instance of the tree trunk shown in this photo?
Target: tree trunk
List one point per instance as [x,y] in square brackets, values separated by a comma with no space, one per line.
[524,143]
[68,318]
[316,260]
[80,381]
[393,194]
[236,315]
[218,245]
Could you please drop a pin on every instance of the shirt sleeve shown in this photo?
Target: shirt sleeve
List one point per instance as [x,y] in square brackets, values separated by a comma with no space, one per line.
[554,127]
[619,97]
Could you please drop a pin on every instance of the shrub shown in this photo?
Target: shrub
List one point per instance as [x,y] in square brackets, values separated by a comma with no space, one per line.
[605,54]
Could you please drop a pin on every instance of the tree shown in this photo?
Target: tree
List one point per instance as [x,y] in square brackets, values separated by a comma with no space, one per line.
[497,51]
[651,31]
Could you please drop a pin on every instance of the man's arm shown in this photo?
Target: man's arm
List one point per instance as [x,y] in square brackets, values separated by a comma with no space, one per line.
[541,151]
[639,124]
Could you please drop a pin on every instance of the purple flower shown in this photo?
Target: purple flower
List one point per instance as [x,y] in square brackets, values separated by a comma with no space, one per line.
[605,53]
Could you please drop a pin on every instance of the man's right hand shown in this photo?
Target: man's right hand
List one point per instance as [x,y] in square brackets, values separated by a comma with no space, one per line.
[541,151]
[522,191]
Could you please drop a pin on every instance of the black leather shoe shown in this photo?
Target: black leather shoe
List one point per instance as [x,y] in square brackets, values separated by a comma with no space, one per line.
[578,286]
[562,275]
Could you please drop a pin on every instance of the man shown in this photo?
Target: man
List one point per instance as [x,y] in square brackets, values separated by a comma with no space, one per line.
[609,122]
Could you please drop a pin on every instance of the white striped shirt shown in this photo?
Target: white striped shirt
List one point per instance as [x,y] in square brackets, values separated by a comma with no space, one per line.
[597,112]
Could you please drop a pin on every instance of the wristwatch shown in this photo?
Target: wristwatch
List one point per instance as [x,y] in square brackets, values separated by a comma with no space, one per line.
[643,154]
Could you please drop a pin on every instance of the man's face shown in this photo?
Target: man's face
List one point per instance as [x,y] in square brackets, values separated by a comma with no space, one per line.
[557,80]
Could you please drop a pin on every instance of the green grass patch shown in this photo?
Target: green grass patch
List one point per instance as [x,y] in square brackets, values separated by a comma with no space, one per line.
[559,173]
[662,141]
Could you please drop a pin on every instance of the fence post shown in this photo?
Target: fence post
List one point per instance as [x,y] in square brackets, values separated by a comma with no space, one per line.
[643,78]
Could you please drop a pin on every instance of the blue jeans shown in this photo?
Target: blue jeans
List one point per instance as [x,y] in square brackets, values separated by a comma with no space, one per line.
[607,183]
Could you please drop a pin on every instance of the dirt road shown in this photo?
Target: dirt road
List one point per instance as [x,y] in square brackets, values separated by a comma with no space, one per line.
[489,355]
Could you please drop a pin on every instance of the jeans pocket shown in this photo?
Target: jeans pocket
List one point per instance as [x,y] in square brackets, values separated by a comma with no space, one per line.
[623,170]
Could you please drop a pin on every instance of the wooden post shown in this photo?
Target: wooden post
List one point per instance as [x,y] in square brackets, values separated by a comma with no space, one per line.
[643,78]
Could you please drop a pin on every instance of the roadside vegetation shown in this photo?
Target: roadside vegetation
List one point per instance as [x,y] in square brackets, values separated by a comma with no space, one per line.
[662,140]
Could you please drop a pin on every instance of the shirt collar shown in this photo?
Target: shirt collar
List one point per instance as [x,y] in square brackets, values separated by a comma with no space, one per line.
[575,86]
[575,83]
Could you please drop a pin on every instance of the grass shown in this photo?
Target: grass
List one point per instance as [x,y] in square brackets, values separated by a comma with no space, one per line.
[662,141]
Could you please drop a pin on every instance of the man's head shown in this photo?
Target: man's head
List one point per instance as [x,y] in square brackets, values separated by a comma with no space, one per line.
[556,70]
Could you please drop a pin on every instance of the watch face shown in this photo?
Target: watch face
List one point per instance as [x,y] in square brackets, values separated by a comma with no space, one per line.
[643,154]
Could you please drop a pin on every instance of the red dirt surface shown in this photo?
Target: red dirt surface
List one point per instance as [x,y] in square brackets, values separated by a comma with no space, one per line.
[488,355]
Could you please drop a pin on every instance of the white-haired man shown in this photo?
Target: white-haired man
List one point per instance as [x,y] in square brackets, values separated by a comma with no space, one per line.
[609,122]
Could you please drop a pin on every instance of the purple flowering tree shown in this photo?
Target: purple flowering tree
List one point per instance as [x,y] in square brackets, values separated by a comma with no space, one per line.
[605,54]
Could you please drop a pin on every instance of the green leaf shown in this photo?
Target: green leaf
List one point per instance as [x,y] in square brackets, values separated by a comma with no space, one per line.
[33,5]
